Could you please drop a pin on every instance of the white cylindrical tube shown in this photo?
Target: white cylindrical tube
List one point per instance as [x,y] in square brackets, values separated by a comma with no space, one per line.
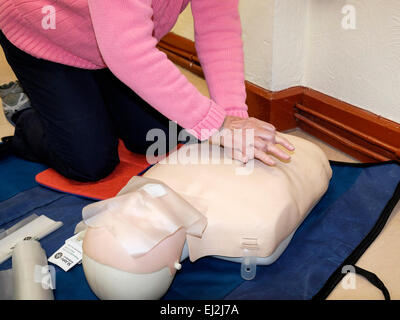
[31,277]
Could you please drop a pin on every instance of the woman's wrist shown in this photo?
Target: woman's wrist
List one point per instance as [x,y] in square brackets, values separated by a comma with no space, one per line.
[237,112]
[223,124]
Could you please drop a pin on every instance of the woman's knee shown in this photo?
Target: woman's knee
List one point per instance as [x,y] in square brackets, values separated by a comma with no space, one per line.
[91,169]
[86,162]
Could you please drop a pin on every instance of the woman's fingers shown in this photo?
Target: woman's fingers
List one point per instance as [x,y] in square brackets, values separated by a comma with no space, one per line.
[264,146]
[284,142]
[278,152]
[268,136]
[262,156]
[255,140]
[267,131]
[236,154]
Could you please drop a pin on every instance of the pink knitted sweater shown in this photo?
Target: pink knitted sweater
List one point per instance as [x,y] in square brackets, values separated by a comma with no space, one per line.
[122,35]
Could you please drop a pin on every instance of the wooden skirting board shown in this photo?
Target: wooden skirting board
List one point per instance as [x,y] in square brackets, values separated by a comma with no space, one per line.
[357,132]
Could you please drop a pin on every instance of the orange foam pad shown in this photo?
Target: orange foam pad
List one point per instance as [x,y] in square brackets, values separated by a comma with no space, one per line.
[131,164]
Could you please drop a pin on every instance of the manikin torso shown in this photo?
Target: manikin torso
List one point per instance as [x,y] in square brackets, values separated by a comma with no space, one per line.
[254,206]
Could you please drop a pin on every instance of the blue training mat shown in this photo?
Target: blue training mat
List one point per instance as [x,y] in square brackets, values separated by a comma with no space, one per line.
[339,229]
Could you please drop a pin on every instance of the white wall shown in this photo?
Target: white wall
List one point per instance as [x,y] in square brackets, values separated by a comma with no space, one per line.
[257,24]
[360,66]
[184,26]
[302,42]
[257,34]
[289,39]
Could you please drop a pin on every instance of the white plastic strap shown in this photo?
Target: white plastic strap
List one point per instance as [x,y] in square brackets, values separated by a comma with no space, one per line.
[35,229]
[249,261]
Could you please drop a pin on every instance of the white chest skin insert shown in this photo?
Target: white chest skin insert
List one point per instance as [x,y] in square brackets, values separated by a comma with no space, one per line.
[198,202]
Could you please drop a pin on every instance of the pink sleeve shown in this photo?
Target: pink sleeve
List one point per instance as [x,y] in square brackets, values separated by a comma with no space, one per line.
[124,31]
[219,46]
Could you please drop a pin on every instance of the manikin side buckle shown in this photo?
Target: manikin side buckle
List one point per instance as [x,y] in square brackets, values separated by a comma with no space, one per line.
[249,261]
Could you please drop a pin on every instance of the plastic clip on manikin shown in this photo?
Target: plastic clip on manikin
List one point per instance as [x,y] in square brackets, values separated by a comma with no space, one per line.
[249,261]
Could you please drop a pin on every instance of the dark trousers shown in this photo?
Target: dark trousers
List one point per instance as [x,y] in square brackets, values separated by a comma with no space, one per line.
[77,117]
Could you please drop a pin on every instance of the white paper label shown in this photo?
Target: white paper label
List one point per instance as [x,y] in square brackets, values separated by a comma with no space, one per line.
[70,253]
[76,241]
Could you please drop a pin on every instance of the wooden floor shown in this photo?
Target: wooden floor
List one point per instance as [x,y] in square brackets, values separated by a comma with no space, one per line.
[382,257]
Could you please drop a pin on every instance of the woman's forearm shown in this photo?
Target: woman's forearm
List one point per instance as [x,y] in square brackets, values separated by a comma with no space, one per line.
[129,50]
[219,46]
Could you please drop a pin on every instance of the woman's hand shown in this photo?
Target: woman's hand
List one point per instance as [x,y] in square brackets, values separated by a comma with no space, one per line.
[245,139]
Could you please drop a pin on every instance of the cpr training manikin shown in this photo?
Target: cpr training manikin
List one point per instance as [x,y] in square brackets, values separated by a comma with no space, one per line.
[198,202]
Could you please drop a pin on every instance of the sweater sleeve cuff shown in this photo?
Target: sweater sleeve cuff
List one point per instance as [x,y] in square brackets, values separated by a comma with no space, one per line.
[210,124]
